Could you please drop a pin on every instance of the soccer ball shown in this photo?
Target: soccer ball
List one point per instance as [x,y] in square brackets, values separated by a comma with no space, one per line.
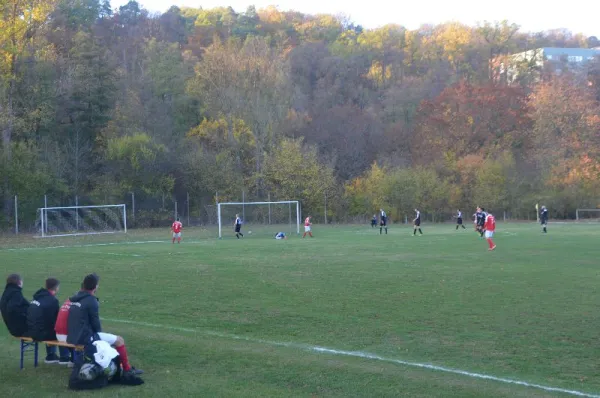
[249,232]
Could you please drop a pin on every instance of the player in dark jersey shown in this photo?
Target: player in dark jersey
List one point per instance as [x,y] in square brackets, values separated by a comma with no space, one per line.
[544,219]
[481,215]
[382,221]
[459,220]
[237,224]
[374,221]
[417,223]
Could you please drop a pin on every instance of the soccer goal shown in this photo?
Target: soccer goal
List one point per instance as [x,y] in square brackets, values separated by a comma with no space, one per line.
[261,217]
[81,220]
[587,215]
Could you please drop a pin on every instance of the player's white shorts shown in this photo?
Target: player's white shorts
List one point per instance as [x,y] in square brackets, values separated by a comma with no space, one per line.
[107,337]
[307,228]
[176,234]
[489,234]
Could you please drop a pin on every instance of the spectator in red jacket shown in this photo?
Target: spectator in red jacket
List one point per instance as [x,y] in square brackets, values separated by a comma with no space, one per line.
[61,329]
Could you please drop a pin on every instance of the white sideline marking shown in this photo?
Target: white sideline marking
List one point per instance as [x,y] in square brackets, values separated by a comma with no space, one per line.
[15,249]
[116,254]
[360,354]
[86,245]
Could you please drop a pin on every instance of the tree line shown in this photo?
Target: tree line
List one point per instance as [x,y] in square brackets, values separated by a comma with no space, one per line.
[101,103]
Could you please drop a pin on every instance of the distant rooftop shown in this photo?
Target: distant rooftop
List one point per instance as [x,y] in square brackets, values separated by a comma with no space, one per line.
[584,52]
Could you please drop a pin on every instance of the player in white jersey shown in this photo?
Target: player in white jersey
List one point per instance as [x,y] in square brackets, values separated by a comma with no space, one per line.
[459,220]
[382,221]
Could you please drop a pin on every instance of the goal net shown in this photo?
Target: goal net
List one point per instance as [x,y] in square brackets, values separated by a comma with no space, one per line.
[264,218]
[81,220]
[591,215]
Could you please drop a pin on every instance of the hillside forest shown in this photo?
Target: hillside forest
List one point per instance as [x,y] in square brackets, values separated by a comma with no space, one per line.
[100,103]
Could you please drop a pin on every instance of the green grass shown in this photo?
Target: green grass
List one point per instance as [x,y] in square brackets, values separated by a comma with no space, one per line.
[201,317]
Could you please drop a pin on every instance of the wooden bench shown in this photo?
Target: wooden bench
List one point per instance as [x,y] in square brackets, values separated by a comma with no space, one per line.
[28,344]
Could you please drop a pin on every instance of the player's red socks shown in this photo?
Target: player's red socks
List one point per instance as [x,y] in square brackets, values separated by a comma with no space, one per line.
[491,243]
[124,360]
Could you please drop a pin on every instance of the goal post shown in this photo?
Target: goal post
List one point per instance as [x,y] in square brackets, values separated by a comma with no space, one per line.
[268,217]
[81,220]
[587,215]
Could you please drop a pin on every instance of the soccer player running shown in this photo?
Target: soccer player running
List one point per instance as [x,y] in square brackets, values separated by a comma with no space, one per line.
[490,227]
[237,224]
[417,223]
[176,228]
[307,228]
[459,220]
[382,221]
[544,219]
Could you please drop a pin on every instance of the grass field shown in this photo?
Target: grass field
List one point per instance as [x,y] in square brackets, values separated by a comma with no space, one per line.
[229,318]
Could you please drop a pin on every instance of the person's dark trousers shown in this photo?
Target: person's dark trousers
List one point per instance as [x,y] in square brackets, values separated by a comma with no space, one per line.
[63,352]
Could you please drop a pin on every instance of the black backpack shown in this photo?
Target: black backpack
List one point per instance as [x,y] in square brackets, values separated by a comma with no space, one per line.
[93,376]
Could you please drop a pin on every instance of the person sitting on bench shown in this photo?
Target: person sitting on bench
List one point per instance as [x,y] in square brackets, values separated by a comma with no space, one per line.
[84,323]
[13,306]
[41,319]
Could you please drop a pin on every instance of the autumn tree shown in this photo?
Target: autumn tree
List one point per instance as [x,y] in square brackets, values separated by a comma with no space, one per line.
[566,134]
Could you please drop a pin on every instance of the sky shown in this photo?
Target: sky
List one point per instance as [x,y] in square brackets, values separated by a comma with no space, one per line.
[579,16]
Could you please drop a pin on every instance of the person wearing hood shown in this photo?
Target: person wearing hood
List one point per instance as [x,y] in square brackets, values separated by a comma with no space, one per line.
[13,306]
[84,326]
[41,319]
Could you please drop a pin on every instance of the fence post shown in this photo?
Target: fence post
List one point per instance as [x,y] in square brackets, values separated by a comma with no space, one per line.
[133,206]
[188,208]
[76,213]
[44,215]
[325,208]
[176,214]
[269,207]
[16,215]
[244,205]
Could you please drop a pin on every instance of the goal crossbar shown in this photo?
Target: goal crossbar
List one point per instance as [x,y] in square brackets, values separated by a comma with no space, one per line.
[79,207]
[281,202]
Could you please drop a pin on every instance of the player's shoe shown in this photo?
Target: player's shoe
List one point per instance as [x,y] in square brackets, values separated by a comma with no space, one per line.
[492,248]
[53,358]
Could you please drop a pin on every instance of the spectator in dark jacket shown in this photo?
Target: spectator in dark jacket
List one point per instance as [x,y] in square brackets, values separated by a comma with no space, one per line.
[84,323]
[41,318]
[13,306]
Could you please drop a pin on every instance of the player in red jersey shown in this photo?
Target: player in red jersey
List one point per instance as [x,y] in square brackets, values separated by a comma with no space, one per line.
[61,329]
[307,227]
[490,228]
[176,228]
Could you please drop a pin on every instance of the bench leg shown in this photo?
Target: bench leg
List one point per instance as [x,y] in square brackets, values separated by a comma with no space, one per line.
[23,348]
[35,355]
